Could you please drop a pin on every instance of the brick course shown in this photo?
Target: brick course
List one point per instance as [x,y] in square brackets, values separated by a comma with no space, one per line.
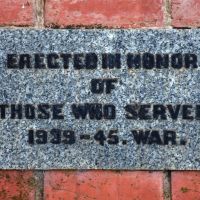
[185,13]
[17,185]
[106,185]
[186,185]
[17,12]
[104,13]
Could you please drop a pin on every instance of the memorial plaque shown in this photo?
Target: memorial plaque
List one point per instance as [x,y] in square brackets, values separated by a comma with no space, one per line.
[100,99]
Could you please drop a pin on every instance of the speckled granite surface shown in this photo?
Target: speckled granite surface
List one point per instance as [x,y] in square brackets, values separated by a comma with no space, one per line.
[70,86]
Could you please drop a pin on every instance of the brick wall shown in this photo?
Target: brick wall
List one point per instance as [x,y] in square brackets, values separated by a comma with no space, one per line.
[102,185]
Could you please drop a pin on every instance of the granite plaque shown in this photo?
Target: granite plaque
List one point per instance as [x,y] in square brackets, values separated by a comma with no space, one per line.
[100,99]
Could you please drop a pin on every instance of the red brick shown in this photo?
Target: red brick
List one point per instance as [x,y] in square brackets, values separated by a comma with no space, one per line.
[185,13]
[104,13]
[186,186]
[16,12]
[17,185]
[106,185]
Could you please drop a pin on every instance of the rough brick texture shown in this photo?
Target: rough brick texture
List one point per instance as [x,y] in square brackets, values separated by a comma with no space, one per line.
[107,185]
[185,13]
[186,185]
[16,12]
[17,185]
[104,13]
